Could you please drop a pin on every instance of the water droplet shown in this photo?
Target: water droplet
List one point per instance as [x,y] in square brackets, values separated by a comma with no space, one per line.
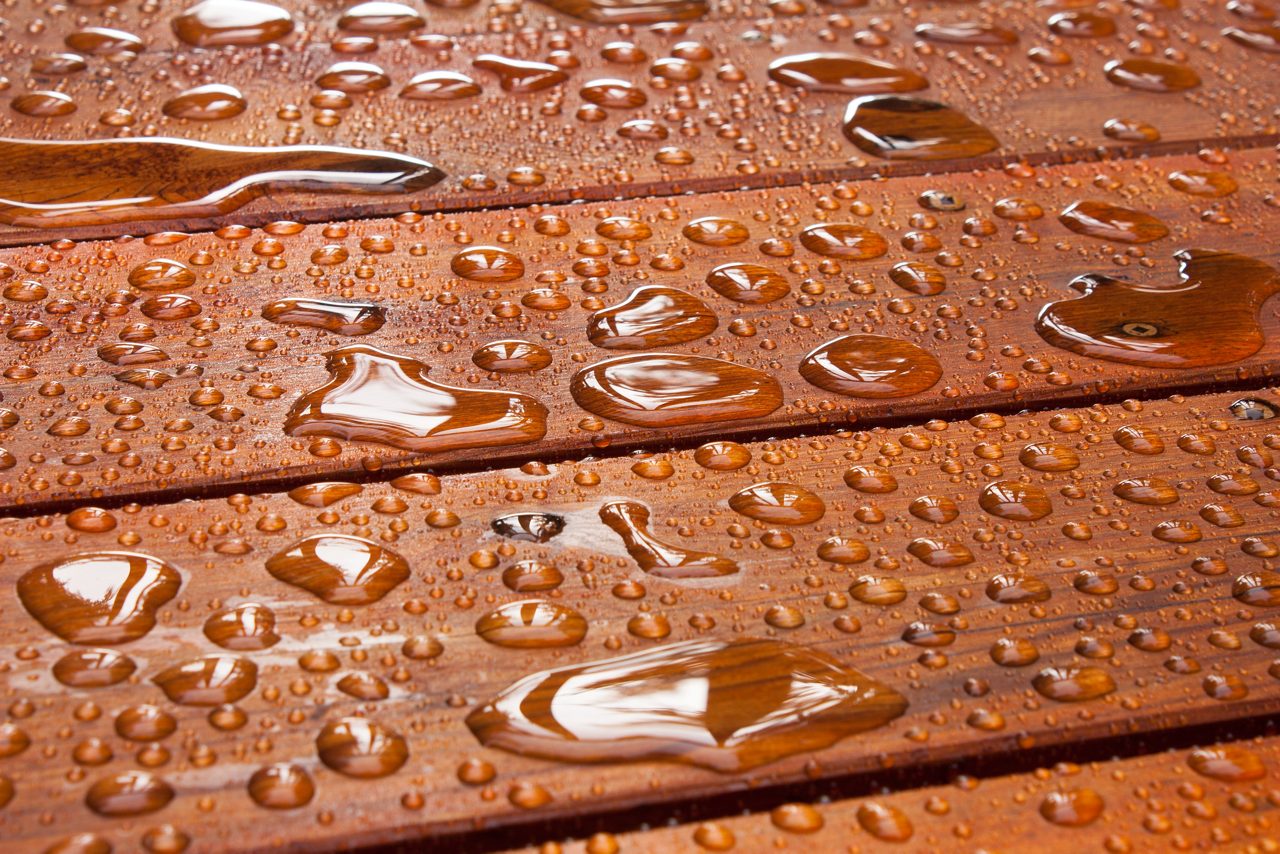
[215,23]
[380,17]
[1260,588]
[374,396]
[716,231]
[440,86]
[1149,75]
[1106,221]
[1264,38]
[511,357]
[1178,327]
[1073,684]
[844,73]
[778,503]
[245,627]
[1228,763]
[358,747]
[532,624]
[902,128]
[630,521]
[1014,500]
[843,240]
[324,493]
[748,283]
[722,456]
[93,668]
[884,821]
[630,11]
[1072,807]
[128,793]
[871,366]
[727,706]
[669,390]
[652,316]
[98,597]
[1082,24]
[530,527]
[342,318]
[518,76]
[209,681]
[340,569]
[487,264]
[529,576]
[281,787]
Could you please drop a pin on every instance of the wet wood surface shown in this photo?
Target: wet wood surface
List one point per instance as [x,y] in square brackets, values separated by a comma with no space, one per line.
[84,344]
[1209,797]
[708,118]
[1119,553]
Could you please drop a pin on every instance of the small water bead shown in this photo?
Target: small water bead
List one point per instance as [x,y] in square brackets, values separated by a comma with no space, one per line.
[871,366]
[1149,75]
[242,628]
[93,668]
[1014,500]
[487,264]
[651,316]
[129,793]
[380,18]
[1072,807]
[354,78]
[903,128]
[844,73]
[520,76]
[1106,221]
[246,23]
[511,356]
[361,748]
[778,503]
[210,681]
[716,231]
[98,597]
[1203,183]
[843,240]
[746,283]
[281,786]
[210,103]
[1073,684]
[722,456]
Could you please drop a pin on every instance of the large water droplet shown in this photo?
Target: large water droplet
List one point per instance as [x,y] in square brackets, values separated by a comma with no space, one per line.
[871,366]
[652,316]
[340,569]
[99,597]
[903,128]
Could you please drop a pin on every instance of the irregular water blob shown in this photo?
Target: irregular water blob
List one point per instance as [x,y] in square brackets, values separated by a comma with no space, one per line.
[532,624]
[103,598]
[844,73]
[340,569]
[778,503]
[375,396]
[871,366]
[245,23]
[630,521]
[967,33]
[724,705]
[670,390]
[519,76]
[70,183]
[651,316]
[209,681]
[902,128]
[342,318]
[211,103]
[1167,327]
[361,748]
[1106,221]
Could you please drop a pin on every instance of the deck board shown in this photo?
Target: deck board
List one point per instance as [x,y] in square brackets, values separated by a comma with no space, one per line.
[1168,620]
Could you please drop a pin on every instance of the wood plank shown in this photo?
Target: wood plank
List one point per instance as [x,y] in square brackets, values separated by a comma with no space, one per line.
[73,431]
[1200,798]
[1150,576]
[736,127]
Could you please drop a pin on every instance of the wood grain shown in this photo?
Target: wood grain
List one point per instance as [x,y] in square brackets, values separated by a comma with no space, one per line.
[220,424]
[735,126]
[1168,619]
[1155,802]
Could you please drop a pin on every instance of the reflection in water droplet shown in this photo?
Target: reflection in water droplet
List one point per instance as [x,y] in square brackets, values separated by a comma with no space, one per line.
[440,86]
[844,73]
[966,32]
[630,521]
[884,821]
[98,597]
[727,706]
[281,787]
[511,357]
[245,627]
[871,366]
[903,128]
[652,316]
[93,668]
[127,180]
[1264,38]
[1169,327]
[374,396]
[127,794]
[1228,763]
[532,624]
[1072,808]
[340,569]
[669,390]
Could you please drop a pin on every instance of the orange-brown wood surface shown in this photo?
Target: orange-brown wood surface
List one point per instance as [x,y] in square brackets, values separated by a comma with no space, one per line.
[701,111]
[80,422]
[1019,582]
[1208,798]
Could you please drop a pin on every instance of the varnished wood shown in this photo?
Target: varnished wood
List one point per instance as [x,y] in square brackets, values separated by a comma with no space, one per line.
[1169,614]
[740,128]
[221,424]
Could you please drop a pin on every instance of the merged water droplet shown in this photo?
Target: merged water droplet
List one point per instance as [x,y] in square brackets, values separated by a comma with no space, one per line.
[724,705]
[669,390]
[630,11]
[871,366]
[652,316]
[375,396]
[99,597]
[1167,327]
[630,521]
[340,569]
[901,128]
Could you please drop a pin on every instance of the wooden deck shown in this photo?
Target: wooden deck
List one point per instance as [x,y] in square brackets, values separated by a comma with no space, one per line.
[602,427]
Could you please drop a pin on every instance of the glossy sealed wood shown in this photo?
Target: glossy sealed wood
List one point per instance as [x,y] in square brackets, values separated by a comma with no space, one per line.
[151,367]
[1020,581]
[634,112]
